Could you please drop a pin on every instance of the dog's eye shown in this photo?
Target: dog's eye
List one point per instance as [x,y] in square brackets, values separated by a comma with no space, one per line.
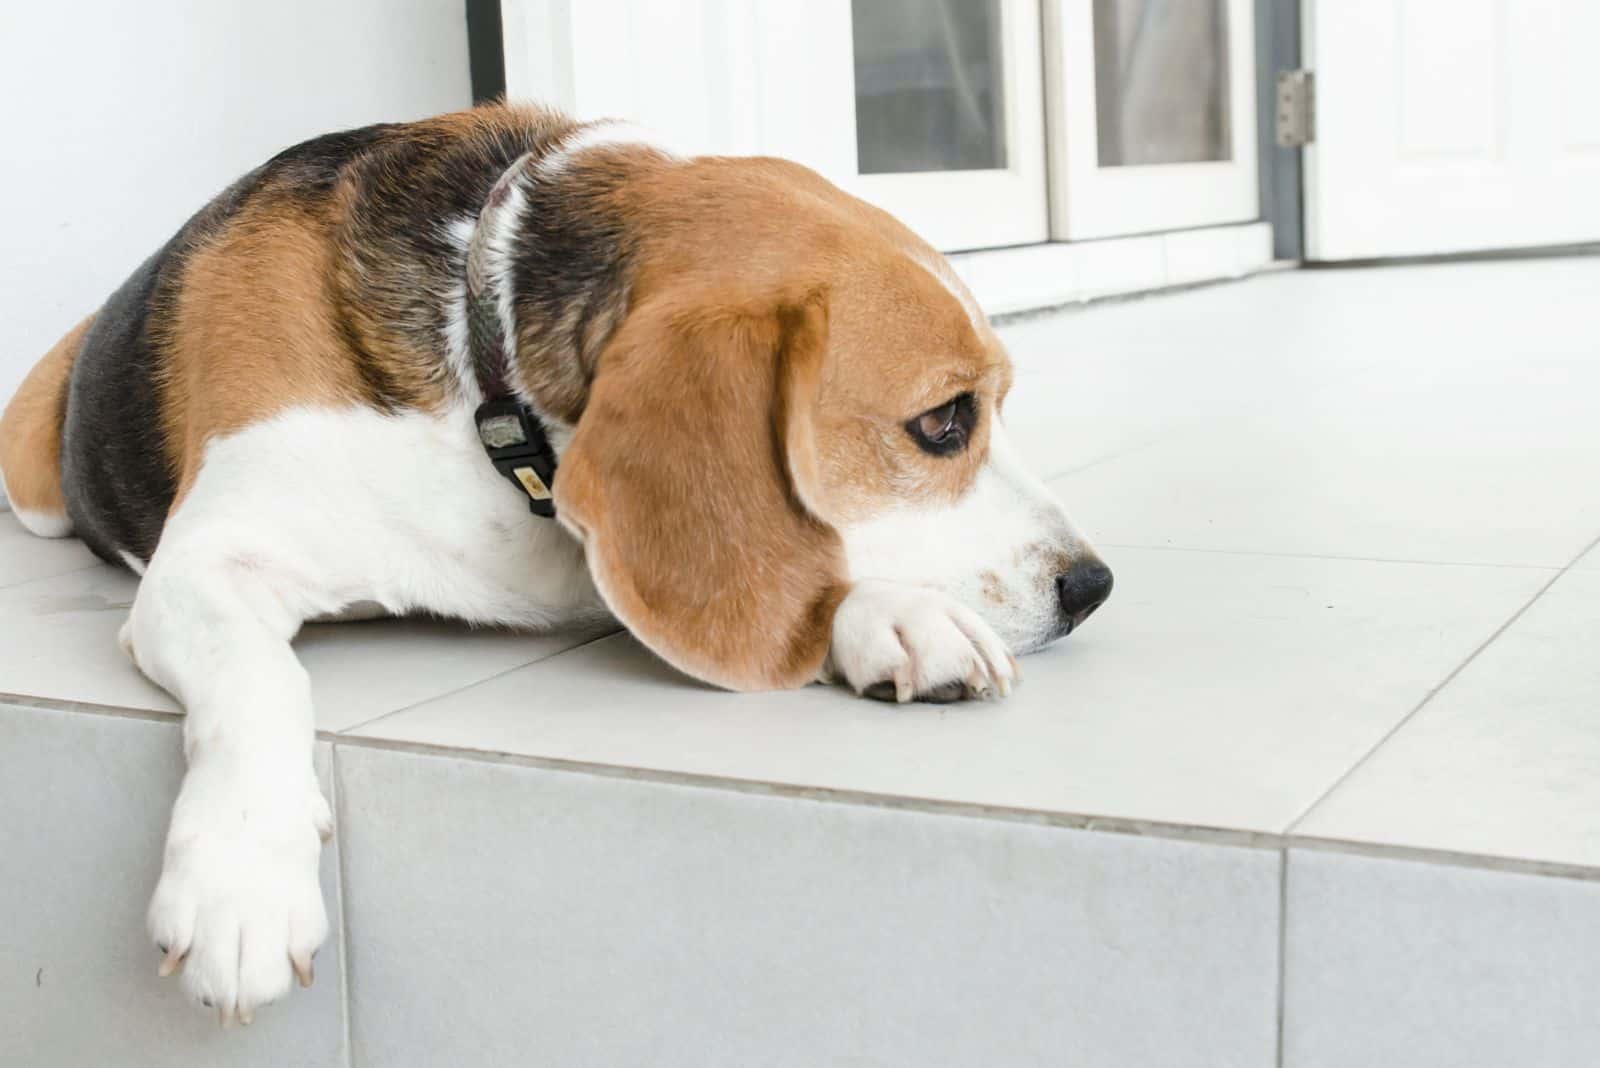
[946,429]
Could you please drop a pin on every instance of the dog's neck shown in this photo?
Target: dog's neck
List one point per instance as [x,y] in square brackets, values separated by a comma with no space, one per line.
[491,304]
[547,279]
[509,424]
[548,270]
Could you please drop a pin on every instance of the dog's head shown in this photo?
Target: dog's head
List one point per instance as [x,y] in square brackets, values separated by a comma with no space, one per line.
[797,394]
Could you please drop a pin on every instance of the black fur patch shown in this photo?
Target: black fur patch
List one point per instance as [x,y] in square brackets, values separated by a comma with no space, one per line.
[571,269]
[382,391]
[114,468]
[395,250]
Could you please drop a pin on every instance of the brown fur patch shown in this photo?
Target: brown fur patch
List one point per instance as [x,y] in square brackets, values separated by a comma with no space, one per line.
[689,526]
[257,328]
[30,430]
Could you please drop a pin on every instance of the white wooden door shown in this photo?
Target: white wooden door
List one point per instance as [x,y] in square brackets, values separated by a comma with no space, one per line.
[931,109]
[1451,125]
[1152,115]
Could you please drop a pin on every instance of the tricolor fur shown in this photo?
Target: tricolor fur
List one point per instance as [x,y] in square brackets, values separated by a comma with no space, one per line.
[777,414]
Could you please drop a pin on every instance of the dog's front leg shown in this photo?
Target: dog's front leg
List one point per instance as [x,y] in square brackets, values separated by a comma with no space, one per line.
[238,908]
[899,642]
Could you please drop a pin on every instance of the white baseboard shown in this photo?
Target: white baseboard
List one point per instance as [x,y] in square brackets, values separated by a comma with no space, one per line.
[1028,277]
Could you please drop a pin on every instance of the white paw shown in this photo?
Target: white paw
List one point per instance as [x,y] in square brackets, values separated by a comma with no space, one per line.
[239,907]
[908,643]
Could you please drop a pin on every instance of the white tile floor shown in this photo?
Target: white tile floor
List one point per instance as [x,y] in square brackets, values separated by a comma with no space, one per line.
[1354,624]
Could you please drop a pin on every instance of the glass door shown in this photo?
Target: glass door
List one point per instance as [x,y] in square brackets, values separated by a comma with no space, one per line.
[1152,107]
[948,125]
[931,109]
[942,112]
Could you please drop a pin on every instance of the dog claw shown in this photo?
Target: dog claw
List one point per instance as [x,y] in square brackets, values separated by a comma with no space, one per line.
[303,969]
[170,963]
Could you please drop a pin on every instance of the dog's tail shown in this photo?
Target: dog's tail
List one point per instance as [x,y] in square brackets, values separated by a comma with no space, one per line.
[30,440]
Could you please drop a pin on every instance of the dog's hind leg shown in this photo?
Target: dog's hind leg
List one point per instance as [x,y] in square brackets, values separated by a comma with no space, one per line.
[30,440]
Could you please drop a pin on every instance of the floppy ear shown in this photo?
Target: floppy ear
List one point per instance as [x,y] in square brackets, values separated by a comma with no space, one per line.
[688,480]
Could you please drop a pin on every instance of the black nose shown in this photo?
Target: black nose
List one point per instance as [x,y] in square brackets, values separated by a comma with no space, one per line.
[1082,590]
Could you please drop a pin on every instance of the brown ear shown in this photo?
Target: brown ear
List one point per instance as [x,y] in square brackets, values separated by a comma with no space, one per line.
[688,480]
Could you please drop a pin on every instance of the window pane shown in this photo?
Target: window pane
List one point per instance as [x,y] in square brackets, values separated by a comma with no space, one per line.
[1161,81]
[929,85]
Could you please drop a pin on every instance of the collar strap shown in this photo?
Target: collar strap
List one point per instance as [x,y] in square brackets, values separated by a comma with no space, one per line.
[510,431]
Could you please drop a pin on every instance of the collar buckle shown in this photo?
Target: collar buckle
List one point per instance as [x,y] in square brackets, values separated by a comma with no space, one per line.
[514,439]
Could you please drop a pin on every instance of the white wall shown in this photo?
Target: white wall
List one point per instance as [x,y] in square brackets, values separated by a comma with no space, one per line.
[121,118]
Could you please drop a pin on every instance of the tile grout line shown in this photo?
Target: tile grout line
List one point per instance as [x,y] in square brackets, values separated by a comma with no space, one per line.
[89,708]
[1283,946]
[1290,838]
[1141,828]
[344,913]
[1137,447]
[1248,411]
[31,579]
[1290,831]
[1132,826]
[1332,556]
[161,715]
[345,731]
[1447,858]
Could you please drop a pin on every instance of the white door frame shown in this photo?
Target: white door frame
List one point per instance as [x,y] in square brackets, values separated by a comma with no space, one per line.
[1090,201]
[709,75]
[979,209]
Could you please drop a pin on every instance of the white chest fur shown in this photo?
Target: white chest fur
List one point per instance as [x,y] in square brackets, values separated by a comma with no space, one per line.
[350,505]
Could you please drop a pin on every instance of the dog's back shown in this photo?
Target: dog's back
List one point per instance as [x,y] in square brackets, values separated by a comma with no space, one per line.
[260,301]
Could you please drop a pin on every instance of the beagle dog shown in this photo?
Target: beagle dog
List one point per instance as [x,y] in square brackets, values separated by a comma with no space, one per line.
[521,371]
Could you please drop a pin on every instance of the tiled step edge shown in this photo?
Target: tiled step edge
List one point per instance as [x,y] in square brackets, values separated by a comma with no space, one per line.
[1069,820]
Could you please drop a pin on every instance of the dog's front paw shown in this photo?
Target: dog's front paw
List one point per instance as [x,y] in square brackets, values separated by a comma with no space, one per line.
[905,643]
[239,907]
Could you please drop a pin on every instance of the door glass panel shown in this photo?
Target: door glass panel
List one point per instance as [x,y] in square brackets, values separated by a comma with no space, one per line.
[1161,81]
[929,85]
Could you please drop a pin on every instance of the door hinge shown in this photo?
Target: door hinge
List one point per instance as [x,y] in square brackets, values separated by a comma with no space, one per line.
[1297,108]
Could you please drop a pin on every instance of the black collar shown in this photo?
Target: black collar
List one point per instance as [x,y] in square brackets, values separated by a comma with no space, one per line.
[510,431]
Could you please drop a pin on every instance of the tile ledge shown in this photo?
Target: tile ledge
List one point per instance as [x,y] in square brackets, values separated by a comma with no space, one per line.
[830,795]
[1040,817]
[89,708]
[1065,820]
[1449,858]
